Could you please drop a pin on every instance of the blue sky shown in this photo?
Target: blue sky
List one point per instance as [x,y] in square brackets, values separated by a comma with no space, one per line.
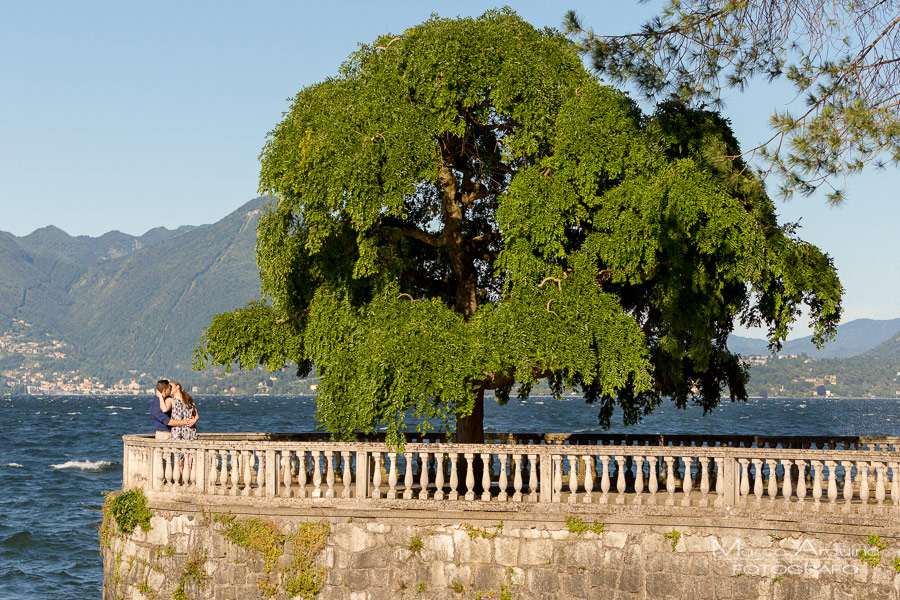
[127,116]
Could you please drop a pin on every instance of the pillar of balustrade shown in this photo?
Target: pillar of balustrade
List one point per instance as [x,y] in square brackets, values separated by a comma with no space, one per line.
[786,484]
[670,480]
[517,477]
[638,480]
[486,469]
[454,477]
[316,473]
[346,473]
[376,475]
[620,479]
[533,490]
[772,483]
[392,477]
[557,478]
[503,481]
[744,490]
[652,479]
[862,470]
[573,479]
[408,476]
[848,484]
[801,484]
[470,476]
[816,467]
[588,479]
[832,484]
[704,481]
[687,481]
[604,479]
[879,487]
[757,481]
[423,475]
[438,475]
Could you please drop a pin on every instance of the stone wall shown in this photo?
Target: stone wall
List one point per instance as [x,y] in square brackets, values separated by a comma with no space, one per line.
[496,555]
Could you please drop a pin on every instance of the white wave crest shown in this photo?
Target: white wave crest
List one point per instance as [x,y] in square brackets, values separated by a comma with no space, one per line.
[84,465]
[12,465]
[120,407]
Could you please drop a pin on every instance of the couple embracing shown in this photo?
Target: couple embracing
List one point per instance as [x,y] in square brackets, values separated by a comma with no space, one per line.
[174,412]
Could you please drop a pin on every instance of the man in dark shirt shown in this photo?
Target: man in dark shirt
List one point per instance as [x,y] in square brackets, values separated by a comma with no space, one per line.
[161,420]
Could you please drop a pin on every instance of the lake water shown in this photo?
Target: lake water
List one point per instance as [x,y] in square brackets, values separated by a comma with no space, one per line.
[60,453]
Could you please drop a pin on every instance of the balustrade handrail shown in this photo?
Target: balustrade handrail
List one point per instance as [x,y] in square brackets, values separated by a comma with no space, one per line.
[630,439]
[713,476]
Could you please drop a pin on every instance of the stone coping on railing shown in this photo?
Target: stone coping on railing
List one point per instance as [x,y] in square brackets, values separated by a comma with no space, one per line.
[715,478]
[620,439]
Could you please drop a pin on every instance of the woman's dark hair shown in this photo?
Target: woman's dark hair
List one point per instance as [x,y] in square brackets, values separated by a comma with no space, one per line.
[187,399]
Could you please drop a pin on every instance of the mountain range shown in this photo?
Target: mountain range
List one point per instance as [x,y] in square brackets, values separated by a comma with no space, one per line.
[123,302]
[854,337]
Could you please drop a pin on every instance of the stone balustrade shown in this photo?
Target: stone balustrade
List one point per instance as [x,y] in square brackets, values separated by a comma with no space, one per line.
[718,474]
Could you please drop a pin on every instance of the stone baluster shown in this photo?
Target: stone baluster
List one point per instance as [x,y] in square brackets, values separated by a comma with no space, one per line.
[771,465]
[329,473]
[620,479]
[261,474]
[687,480]
[745,481]
[638,480]
[438,475]
[757,480]
[168,472]
[246,462]
[832,483]
[423,475]
[879,484]
[235,472]
[214,471]
[454,477]
[801,484]
[408,476]
[862,469]
[588,478]
[557,478]
[573,479]
[720,481]
[470,476]
[188,474]
[670,480]
[533,478]
[895,485]
[652,479]
[302,471]
[704,481]
[604,479]
[486,468]
[503,482]
[376,475]
[347,474]
[392,477]
[848,482]
[286,473]
[786,484]
[517,477]
[316,473]
[816,467]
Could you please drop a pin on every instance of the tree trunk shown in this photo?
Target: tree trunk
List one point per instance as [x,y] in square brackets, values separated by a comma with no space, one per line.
[470,429]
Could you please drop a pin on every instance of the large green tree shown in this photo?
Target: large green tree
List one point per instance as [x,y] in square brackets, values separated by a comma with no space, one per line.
[464,206]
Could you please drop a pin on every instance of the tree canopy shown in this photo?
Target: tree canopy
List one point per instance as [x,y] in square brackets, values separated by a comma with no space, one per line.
[841,58]
[464,206]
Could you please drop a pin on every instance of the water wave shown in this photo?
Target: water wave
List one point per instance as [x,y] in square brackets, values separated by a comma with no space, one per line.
[85,465]
[121,407]
[12,465]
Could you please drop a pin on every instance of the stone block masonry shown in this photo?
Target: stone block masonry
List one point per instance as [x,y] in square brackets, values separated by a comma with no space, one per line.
[499,555]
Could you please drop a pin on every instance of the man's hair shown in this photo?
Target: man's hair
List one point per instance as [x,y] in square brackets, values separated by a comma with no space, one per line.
[162,385]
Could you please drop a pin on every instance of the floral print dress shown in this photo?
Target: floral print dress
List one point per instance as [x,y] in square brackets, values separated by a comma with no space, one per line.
[182,413]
